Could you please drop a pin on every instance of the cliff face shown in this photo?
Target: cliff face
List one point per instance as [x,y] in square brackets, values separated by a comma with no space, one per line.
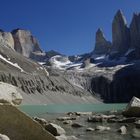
[120,33]
[38,85]
[121,88]
[8,38]
[135,34]
[25,43]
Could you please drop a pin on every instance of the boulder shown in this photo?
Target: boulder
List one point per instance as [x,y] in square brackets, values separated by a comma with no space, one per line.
[66,118]
[102,128]
[122,120]
[55,129]
[120,34]
[95,118]
[90,129]
[122,130]
[83,113]
[4,137]
[76,125]
[67,122]
[100,118]
[136,133]
[72,138]
[42,121]
[127,120]
[63,137]
[9,94]
[137,124]
[102,46]
[133,108]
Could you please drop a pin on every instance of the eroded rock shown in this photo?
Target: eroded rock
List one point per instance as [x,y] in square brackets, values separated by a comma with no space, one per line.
[54,129]
[4,137]
[133,108]
[102,128]
[122,130]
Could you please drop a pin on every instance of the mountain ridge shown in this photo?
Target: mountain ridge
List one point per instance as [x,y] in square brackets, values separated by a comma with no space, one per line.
[86,77]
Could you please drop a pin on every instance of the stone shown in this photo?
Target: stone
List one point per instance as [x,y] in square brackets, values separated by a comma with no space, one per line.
[102,128]
[102,46]
[63,137]
[120,34]
[83,113]
[90,129]
[67,122]
[127,120]
[133,108]
[42,121]
[25,42]
[122,130]
[4,137]
[95,118]
[66,118]
[137,123]
[100,118]
[72,138]
[76,125]
[54,129]
[136,133]
[10,94]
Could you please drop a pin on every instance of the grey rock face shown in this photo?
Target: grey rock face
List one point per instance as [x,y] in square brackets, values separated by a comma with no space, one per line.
[7,38]
[120,33]
[135,33]
[102,46]
[25,43]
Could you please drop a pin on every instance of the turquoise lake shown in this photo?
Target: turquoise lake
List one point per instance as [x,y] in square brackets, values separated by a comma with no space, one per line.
[51,112]
[33,110]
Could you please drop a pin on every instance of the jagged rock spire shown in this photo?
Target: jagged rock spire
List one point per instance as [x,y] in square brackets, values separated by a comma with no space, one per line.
[135,34]
[102,46]
[120,33]
[135,31]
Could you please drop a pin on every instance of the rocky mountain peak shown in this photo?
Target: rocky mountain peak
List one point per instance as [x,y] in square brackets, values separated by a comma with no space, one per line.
[120,16]
[25,42]
[100,35]
[7,38]
[135,33]
[102,46]
[120,33]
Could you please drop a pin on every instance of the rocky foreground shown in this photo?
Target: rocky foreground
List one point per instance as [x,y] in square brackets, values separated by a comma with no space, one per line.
[18,126]
[88,125]
[124,125]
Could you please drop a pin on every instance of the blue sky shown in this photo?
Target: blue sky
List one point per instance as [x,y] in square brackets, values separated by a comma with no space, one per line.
[67,26]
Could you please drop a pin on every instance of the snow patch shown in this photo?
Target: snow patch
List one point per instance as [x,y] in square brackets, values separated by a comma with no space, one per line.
[129,51]
[13,64]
